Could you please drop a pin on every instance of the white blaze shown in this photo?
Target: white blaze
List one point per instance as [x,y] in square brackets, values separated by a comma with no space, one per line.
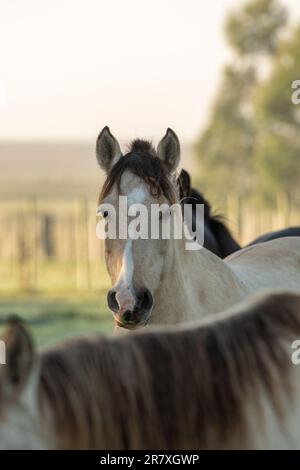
[136,196]
[126,273]
[124,289]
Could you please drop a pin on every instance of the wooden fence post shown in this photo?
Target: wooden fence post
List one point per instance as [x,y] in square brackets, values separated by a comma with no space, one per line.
[23,254]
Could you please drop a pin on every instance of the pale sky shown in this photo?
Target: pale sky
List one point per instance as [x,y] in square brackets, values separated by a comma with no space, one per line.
[70,67]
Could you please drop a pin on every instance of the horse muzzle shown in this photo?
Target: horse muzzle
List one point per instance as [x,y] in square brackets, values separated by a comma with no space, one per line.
[131,315]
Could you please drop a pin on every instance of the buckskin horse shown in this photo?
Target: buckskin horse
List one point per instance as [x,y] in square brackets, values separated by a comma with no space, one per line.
[158,280]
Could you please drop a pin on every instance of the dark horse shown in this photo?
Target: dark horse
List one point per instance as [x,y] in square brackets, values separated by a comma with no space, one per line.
[217,237]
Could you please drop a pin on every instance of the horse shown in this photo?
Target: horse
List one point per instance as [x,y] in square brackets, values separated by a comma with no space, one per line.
[226,382]
[285,232]
[218,238]
[159,280]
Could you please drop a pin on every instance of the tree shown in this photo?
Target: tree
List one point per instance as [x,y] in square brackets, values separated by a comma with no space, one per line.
[226,147]
[277,156]
[254,29]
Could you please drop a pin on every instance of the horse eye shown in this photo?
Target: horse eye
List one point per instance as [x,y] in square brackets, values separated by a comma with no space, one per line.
[102,214]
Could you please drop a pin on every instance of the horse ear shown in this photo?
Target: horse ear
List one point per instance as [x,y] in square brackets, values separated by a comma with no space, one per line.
[168,150]
[19,357]
[107,149]
[184,184]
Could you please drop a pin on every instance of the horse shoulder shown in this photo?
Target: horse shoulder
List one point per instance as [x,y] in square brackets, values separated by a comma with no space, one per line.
[271,264]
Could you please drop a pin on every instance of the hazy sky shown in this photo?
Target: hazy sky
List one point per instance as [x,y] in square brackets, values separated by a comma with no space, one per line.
[69,67]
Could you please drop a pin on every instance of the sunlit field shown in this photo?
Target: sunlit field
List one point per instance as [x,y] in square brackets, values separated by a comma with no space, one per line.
[54,308]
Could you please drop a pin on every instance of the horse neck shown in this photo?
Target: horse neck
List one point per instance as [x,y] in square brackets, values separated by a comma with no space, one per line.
[194,284]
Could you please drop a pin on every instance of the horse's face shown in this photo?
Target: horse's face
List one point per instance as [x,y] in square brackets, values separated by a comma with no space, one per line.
[136,265]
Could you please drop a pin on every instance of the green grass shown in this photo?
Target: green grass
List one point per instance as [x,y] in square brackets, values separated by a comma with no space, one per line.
[52,319]
[56,307]
[52,276]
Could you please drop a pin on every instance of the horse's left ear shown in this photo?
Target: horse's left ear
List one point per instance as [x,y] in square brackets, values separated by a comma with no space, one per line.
[19,357]
[168,150]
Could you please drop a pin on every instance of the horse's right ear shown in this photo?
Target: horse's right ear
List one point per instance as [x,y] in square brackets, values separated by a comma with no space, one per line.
[19,357]
[107,149]
[184,184]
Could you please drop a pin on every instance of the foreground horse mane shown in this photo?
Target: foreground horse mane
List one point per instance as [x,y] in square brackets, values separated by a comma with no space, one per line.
[173,388]
[142,161]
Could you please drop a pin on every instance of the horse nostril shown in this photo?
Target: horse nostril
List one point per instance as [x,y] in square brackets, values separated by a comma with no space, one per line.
[127,316]
[112,301]
[145,300]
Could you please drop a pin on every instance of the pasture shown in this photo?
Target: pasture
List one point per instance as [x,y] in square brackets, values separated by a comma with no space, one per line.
[53,318]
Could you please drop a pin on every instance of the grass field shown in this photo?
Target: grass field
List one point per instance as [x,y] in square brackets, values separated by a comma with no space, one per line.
[54,309]
[52,319]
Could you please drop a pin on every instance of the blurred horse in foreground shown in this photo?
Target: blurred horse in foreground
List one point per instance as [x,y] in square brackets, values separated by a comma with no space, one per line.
[225,383]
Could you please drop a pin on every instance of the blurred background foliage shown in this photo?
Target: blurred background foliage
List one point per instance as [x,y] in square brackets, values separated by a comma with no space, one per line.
[252,141]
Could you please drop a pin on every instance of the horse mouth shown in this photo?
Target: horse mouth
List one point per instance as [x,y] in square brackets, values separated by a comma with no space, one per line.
[131,325]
